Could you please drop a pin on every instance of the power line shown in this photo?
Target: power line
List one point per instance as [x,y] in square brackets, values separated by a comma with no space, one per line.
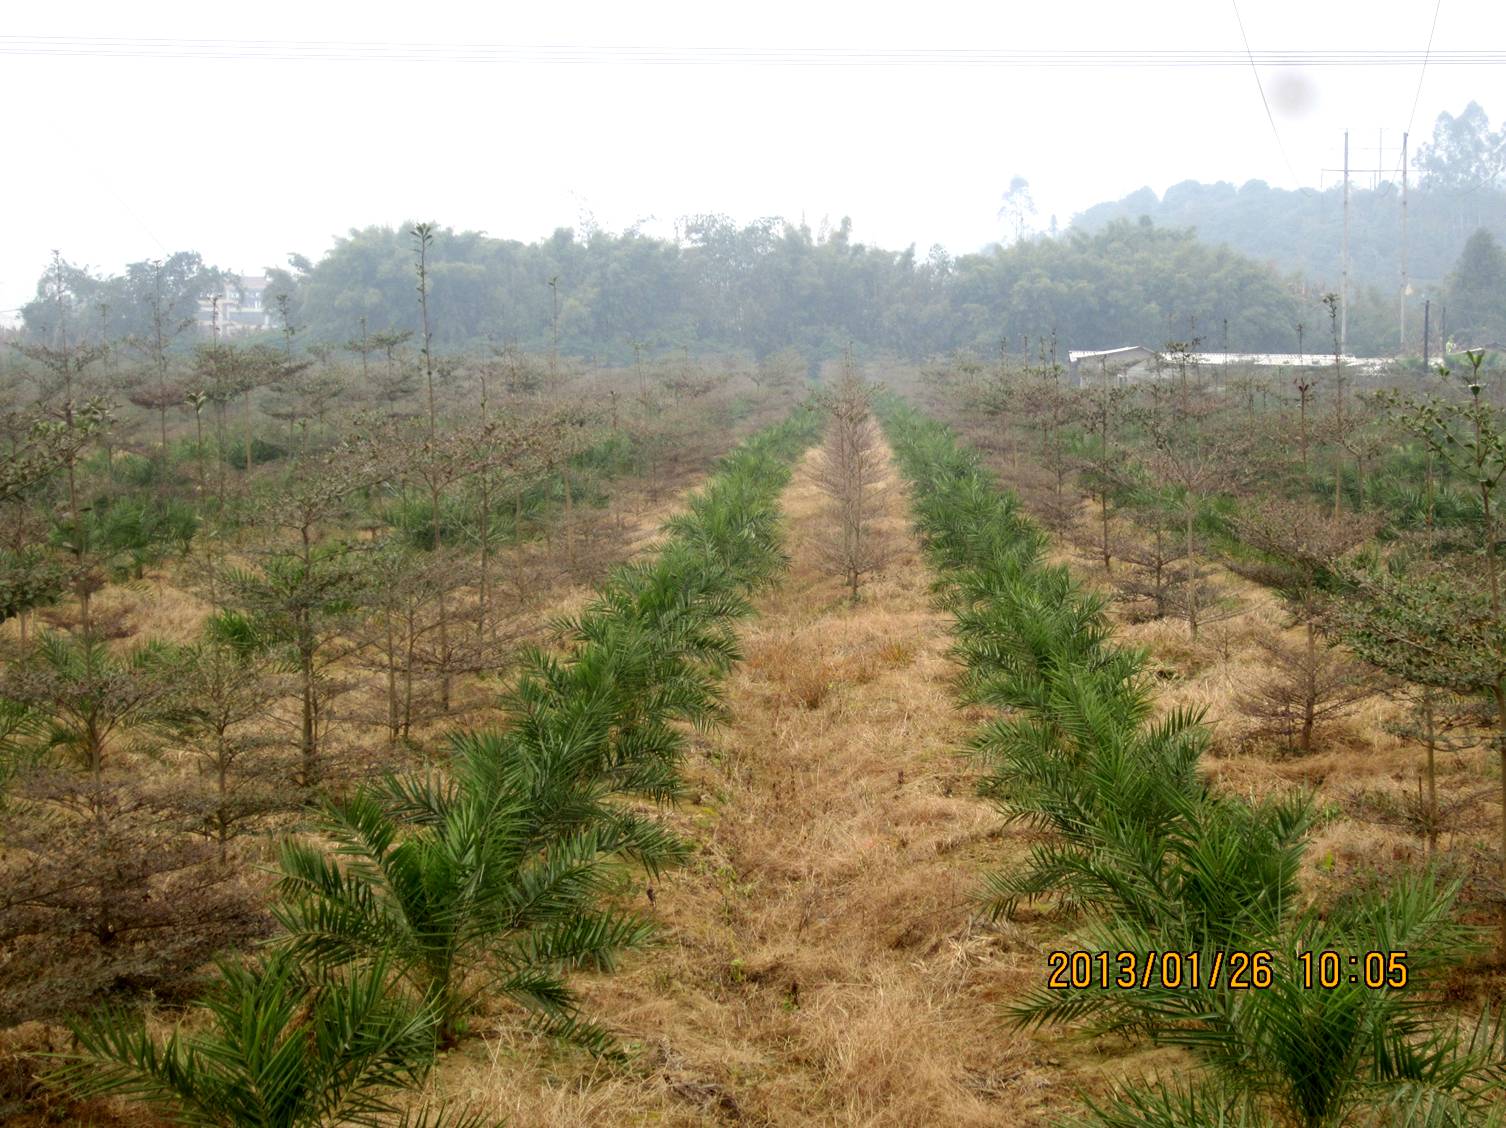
[596,54]
[1437,7]
[1270,117]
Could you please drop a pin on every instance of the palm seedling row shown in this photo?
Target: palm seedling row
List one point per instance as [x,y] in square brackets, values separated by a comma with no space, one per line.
[495,874]
[1145,858]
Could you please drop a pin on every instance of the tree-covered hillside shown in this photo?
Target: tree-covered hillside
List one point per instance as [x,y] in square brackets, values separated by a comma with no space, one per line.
[1456,189]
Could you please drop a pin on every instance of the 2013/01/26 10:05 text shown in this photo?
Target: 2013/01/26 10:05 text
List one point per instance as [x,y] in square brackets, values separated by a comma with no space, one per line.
[1236,970]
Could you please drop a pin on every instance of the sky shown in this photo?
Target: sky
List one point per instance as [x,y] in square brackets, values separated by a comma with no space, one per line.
[118,159]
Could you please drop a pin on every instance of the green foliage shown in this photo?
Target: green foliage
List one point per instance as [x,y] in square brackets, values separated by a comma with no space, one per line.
[289,598]
[262,452]
[89,694]
[46,446]
[20,728]
[122,306]
[1477,291]
[1431,627]
[773,285]
[1464,154]
[490,880]
[1159,862]
[498,874]
[1300,1054]
[658,639]
[134,533]
[29,577]
[276,1049]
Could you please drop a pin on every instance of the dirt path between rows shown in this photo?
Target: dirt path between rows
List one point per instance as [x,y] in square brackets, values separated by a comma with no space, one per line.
[821,962]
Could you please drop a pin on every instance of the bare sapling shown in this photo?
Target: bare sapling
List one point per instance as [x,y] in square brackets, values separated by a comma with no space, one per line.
[851,472]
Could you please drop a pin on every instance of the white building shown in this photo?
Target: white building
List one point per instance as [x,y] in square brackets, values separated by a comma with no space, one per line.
[1133,363]
[242,307]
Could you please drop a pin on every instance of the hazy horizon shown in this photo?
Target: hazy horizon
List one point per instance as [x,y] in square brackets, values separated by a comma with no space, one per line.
[245,153]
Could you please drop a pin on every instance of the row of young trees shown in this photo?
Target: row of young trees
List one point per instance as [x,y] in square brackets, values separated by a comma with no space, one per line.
[344,558]
[494,874]
[1158,863]
[1327,486]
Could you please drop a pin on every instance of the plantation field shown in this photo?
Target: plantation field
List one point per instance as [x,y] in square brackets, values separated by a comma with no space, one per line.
[674,747]
[822,961]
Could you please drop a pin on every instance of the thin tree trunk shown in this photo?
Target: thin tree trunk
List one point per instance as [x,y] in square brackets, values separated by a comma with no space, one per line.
[1103,522]
[444,610]
[308,744]
[247,422]
[1432,777]
[569,521]
[484,596]
[222,770]
[1309,699]
[198,424]
[412,641]
[1192,607]
[1492,569]
[392,715]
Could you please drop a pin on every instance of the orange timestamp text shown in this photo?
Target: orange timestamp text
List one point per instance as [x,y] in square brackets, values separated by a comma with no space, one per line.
[1235,970]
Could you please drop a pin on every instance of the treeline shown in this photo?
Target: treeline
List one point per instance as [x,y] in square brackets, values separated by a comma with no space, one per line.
[755,289]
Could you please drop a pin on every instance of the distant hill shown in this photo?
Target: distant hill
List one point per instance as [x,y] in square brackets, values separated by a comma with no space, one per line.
[1301,231]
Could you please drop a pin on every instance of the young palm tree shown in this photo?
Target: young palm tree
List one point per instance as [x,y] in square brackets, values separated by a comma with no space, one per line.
[20,727]
[1296,1052]
[659,639]
[490,880]
[1165,864]
[276,1049]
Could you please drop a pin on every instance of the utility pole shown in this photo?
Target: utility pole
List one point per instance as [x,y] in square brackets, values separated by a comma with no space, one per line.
[1378,171]
[365,374]
[1427,317]
[1344,296]
[1401,335]
[554,329]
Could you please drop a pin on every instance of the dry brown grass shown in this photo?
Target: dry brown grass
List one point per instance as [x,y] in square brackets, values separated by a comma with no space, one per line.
[822,961]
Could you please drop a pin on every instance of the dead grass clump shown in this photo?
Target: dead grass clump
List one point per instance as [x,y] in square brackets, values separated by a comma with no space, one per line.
[860,669]
[884,1056]
[808,686]
[897,652]
[1171,646]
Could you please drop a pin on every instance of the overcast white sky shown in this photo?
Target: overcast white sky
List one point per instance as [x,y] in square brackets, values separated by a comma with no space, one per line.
[117,159]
